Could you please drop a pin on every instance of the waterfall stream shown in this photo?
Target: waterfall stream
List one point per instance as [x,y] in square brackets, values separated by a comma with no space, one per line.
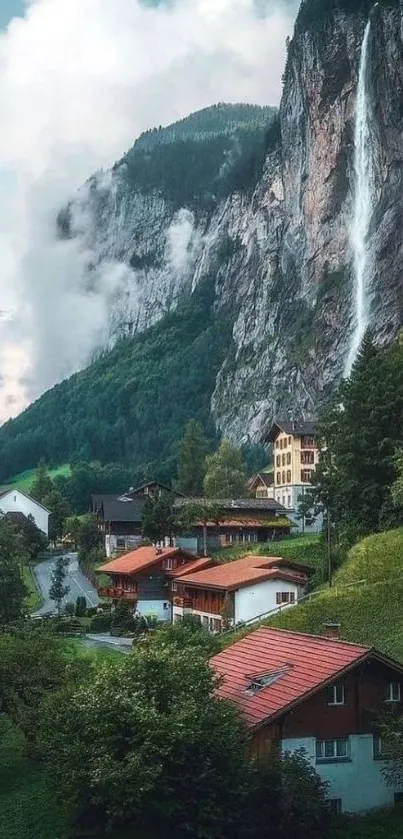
[362,205]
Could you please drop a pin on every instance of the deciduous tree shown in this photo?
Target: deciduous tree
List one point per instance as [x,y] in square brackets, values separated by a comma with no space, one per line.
[226,475]
[12,588]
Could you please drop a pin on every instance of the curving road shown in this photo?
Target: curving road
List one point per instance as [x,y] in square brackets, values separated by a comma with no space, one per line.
[78,584]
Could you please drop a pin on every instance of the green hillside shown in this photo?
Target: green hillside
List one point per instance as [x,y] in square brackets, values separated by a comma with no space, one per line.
[369,612]
[25,479]
[133,403]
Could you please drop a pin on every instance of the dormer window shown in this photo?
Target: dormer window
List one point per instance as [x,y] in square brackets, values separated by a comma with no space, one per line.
[336,694]
[393,692]
[169,564]
[257,683]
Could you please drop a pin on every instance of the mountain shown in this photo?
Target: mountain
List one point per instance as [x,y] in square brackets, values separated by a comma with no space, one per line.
[289,224]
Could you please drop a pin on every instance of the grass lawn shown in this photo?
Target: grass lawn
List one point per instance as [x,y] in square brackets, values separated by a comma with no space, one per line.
[383,824]
[27,804]
[34,598]
[24,480]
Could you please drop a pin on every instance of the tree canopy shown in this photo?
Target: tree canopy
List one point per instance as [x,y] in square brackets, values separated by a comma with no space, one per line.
[193,449]
[225,474]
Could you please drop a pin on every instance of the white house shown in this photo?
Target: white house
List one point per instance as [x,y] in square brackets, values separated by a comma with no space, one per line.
[238,591]
[16,501]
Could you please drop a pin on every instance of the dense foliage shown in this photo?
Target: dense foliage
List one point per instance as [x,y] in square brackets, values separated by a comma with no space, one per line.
[361,434]
[193,449]
[225,473]
[133,404]
[12,588]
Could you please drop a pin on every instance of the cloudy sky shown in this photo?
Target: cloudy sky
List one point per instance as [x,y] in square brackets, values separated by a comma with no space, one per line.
[79,80]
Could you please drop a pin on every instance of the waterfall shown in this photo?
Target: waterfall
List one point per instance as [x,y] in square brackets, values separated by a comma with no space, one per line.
[362,204]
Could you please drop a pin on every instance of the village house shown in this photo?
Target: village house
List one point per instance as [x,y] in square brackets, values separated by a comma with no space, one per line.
[242,521]
[13,501]
[237,591]
[323,696]
[262,485]
[120,517]
[141,578]
[295,457]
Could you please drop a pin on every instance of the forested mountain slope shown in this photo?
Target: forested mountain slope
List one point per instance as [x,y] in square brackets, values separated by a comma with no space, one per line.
[261,210]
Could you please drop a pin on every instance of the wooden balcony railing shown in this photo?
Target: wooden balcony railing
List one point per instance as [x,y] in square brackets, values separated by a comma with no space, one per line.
[117,593]
[183,602]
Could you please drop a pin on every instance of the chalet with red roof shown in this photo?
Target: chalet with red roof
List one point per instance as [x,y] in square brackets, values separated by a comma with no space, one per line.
[238,591]
[322,695]
[142,578]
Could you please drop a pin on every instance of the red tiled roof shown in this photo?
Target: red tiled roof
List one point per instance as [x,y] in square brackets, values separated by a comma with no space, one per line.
[250,569]
[139,559]
[192,567]
[309,663]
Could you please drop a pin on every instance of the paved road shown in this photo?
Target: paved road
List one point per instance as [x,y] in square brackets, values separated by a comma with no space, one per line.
[75,579]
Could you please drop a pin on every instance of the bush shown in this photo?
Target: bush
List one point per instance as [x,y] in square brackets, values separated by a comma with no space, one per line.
[69,609]
[100,623]
[81,607]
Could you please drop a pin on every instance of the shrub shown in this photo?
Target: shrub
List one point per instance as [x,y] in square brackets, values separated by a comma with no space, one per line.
[69,608]
[100,623]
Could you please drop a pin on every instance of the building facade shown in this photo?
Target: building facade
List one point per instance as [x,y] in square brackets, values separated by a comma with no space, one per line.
[143,579]
[237,592]
[262,485]
[295,457]
[16,501]
[322,696]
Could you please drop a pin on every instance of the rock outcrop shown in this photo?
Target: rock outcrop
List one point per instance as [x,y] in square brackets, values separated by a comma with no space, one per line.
[280,249]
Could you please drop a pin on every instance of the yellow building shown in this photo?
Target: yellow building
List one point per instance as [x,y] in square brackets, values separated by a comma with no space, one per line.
[295,456]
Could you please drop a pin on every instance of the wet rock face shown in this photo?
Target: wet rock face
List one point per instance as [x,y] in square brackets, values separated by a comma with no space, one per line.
[280,253]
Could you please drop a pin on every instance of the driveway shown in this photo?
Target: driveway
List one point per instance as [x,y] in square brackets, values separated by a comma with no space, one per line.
[78,584]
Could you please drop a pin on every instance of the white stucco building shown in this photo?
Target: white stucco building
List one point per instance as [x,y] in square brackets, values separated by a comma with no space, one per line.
[16,501]
[237,592]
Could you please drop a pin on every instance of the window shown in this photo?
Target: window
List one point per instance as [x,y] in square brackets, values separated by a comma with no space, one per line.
[255,537]
[277,444]
[205,621]
[166,605]
[283,460]
[168,564]
[285,597]
[278,479]
[288,458]
[393,694]
[335,806]
[288,476]
[283,477]
[378,748]
[332,750]
[178,618]
[228,537]
[307,457]
[336,694]
[306,476]
[217,625]
[121,542]
[278,460]
[289,440]
[174,586]
[281,444]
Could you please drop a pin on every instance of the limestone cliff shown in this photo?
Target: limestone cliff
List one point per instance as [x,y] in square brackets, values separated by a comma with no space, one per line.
[279,247]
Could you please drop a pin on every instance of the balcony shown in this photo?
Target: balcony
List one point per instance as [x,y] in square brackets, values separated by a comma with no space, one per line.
[183,602]
[117,593]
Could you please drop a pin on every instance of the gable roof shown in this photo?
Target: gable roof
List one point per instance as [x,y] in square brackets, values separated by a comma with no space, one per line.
[308,664]
[25,494]
[136,491]
[251,569]
[294,429]
[266,478]
[269,505]
[113,509]
[192,567]
[141,558]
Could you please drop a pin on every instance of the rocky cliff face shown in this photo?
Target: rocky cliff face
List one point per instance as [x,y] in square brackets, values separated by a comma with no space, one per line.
[280,251]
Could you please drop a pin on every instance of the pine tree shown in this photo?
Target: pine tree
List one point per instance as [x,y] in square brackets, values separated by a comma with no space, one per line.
[193,450]
[42,485]
[226,474]
[58,590]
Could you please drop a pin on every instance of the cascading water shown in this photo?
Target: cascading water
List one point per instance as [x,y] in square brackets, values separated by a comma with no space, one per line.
[362,204]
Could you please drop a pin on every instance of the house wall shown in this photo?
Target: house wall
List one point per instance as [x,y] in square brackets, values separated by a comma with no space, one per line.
[260,598]
[358,781]
[160,608]
[288,491]
[16,502]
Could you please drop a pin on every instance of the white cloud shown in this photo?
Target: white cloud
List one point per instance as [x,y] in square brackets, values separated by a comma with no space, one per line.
[79,80]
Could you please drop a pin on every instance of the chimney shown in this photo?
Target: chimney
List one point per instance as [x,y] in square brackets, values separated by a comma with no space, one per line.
[332,629]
